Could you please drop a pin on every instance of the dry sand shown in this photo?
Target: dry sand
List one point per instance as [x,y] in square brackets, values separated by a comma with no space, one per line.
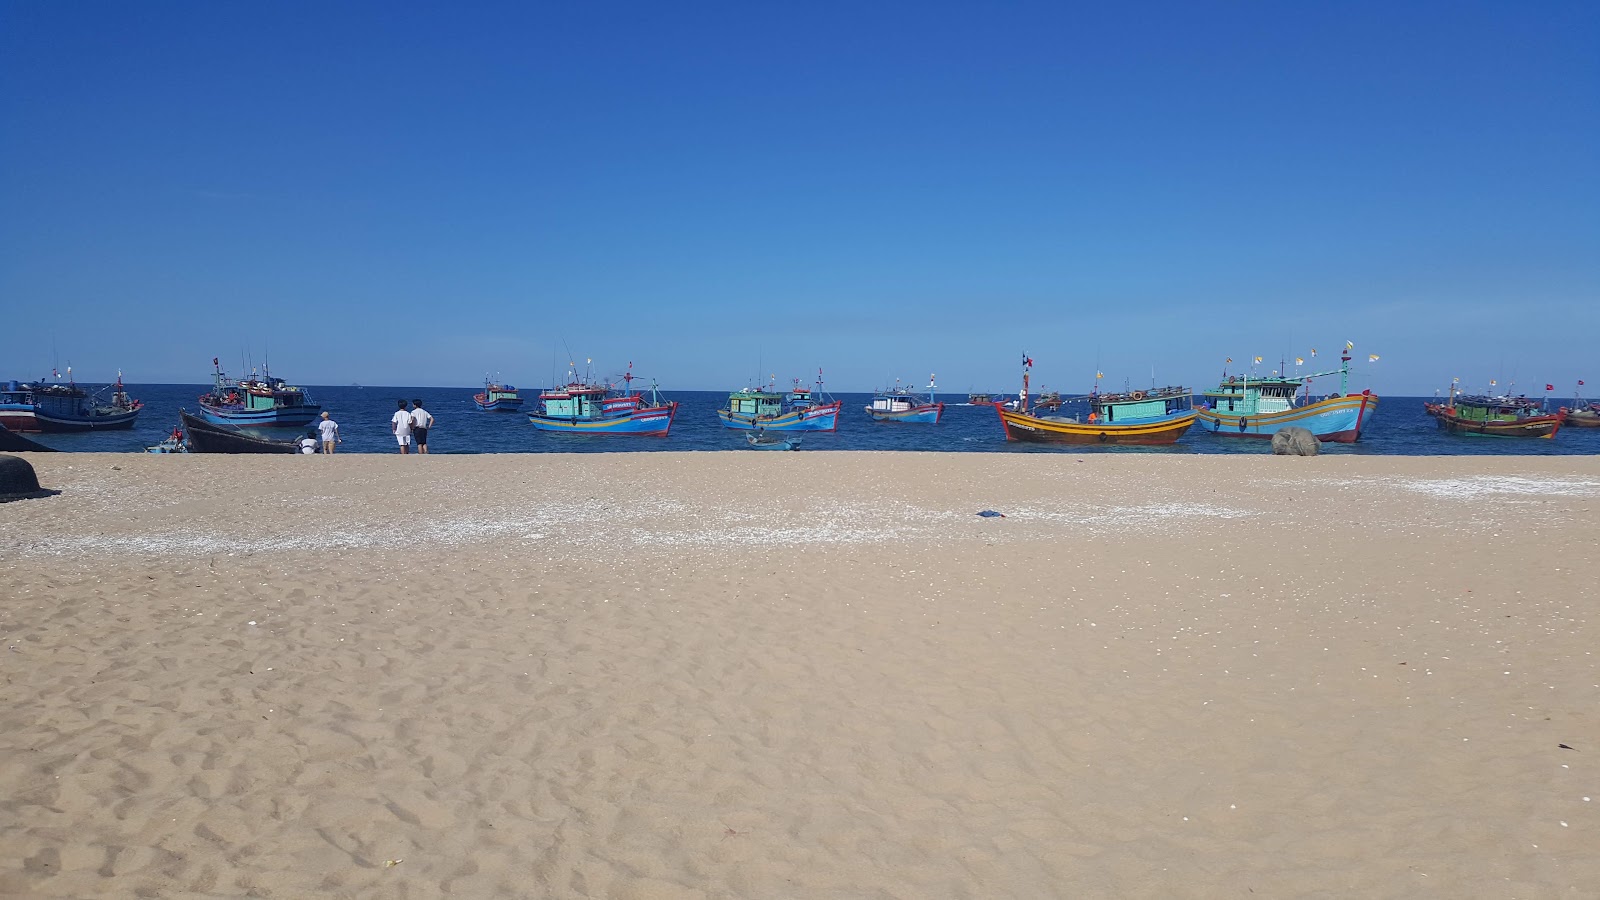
[801,675]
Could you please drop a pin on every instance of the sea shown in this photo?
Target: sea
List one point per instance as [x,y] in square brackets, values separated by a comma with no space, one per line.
[1400,428]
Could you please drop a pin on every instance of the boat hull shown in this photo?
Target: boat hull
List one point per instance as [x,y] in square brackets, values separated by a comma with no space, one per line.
[11,442]
[1149,432]
[290,417]
[650,421]
[824,417]
[1583,419]
[18,419]
[207,437]
[1337,420]
[927,414]
[55,424]
[507,406]
[1531,427]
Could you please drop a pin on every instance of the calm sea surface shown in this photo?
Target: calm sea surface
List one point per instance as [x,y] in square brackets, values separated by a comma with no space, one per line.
[1401,428]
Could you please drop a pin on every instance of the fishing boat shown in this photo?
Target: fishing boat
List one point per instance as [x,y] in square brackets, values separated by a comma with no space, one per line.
[1251,407]
[799,409]
[12,442]
[497,398]
[204,436]
[1582,413]
[761,440]
[172,443]
[257,402]
[1050,400]
[585,407]
[1154,417]
[65,408]
[1480,416]
[901,404]
[979,398]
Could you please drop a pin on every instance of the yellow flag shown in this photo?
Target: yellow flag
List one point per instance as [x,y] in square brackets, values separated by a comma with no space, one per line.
[1228,360]
[1299,361]
[1349,345]
[1099,375]
[1258,359]
[1372,357]
[1313,353]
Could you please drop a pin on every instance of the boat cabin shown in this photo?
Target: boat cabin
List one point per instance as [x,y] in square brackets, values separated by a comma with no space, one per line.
[895,401]
[758,403]
[496,392]
[1139,405]
[573,402]
[1495,409]
[1249,397]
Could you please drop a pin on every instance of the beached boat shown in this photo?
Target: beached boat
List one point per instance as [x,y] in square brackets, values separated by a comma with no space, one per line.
[12,442]
[256,402]
[498,398]
[1154,417]
[203,436]
[800,409]
[584,407]
[900,404]
[1251,407]
[65,407]
[1479,416]
[761,440]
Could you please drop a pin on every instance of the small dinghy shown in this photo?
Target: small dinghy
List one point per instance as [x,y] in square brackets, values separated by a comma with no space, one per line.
[762,440]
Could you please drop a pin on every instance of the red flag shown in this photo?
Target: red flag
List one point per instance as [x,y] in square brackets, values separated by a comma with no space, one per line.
[1549,387]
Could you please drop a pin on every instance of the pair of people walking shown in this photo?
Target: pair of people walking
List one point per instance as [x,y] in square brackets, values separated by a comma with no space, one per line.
[410,426]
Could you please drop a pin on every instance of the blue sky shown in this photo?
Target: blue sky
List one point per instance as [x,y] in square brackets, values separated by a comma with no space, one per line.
[417,193]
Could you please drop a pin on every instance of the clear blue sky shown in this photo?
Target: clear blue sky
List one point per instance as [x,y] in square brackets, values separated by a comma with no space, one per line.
[398,193]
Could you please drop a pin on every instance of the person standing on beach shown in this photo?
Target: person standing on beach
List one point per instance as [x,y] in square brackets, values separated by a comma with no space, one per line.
[421,421]
[330,433]
[400,424]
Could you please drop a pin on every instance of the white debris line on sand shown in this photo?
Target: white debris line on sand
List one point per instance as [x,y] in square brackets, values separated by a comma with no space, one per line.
[1126,517]
[1476,486]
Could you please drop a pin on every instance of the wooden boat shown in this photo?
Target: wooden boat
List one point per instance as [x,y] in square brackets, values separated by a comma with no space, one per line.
[172,443]
[207,437]
[979,398]
[1050,400]
[65,408]
[761,440]
[1154,417]
[1587,417]
[584,407]
[497,398]
[1480,416]
[256,402]
[800,409]
[904,405]
[1249,407]
[11,442]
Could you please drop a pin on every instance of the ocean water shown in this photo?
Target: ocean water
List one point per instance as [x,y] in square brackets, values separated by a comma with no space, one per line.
[1401,428]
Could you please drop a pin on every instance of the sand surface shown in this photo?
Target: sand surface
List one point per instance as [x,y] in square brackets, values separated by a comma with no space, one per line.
[801,675]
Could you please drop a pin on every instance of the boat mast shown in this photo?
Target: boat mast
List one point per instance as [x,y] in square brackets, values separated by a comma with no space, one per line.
[1022,399]
[1344,369]
[931,388]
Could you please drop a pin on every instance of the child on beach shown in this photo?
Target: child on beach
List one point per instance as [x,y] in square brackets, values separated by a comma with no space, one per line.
[330,433]
[400,424]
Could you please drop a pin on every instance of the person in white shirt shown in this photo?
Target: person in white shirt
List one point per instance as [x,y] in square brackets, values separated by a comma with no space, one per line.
[330,433]
[308,444]
[421,421]
[400,424]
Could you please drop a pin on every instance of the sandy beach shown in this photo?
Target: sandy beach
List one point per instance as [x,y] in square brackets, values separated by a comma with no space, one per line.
[753,675]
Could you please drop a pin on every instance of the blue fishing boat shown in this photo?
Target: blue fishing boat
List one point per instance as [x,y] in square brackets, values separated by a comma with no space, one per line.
[800,409]
[61,408]
[497,398]
[901,404]
[1256,407]
[257,402]
[584,407]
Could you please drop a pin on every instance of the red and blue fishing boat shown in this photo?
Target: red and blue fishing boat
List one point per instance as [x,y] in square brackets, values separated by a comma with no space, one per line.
[256,402]
[497,398]
[902,404]
[61,408]
[584,407]
[765,409]
[1256,407]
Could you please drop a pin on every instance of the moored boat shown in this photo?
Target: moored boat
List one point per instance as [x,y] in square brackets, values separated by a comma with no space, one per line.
[257,402]
[979,398]
[1582,413]
[12,442]
[1251,407]
[172,443]
[584,407]
[1480,416]
[1154,417]
[65,408]
[800,409]
[208,437]
[761,440]
[901,404]
[497,398]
